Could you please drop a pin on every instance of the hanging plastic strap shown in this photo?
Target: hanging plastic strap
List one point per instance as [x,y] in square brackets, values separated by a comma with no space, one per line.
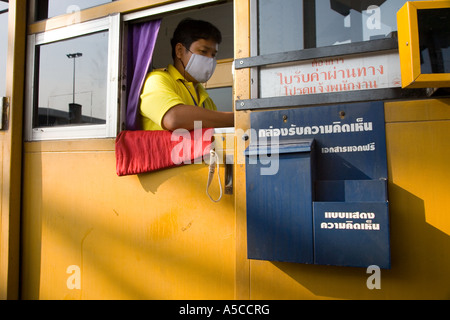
[213,160]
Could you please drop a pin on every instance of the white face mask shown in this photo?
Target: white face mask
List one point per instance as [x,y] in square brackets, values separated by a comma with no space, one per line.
[201,68]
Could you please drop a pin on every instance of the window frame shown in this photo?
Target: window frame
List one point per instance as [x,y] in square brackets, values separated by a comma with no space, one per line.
[112,24]
[409,47]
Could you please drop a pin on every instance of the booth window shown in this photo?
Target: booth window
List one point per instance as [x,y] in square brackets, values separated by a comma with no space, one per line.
[73,82]
[424,44]
[434,40]
[148,48]
[60,102]
[219,87]
[3,45]
[324,23]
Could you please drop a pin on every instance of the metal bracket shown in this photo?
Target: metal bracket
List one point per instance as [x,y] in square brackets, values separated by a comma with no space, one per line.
[317,53]
[4,104]
[330,98]
[229,175]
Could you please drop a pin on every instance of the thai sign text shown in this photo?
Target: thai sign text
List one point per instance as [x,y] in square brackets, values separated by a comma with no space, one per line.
[338,74]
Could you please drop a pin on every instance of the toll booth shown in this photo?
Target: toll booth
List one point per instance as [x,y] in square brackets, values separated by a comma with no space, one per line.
[338,160]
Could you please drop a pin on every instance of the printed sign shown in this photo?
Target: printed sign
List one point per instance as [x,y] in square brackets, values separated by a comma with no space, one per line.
[351,234]
[337,74]
[350,139]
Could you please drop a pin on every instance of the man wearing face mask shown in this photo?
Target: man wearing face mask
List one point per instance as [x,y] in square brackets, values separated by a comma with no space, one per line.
[174,98]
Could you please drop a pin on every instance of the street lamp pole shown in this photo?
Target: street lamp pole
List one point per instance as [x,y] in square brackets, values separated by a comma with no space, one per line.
[74,56]
[74,108]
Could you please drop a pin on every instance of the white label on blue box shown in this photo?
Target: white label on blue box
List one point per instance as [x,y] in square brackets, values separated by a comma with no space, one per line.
[351,233]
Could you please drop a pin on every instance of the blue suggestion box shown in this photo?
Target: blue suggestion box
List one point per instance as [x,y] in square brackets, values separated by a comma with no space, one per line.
[316,182]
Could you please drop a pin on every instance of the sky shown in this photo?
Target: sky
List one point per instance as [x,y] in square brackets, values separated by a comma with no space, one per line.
[56,74]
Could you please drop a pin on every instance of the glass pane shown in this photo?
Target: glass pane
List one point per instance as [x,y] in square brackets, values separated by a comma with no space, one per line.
[348,21]
[222,97]
[280,26]
[296,25]
[51,8]
[434,39]
[3,46]
[219,15]
[71,81]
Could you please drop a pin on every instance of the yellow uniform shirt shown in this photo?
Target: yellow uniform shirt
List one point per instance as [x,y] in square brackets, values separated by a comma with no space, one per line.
[164,89]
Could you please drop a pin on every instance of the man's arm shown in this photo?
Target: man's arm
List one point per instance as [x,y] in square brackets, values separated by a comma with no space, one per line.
[184,116]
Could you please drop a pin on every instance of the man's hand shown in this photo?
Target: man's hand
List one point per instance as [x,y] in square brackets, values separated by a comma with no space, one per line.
[184,116]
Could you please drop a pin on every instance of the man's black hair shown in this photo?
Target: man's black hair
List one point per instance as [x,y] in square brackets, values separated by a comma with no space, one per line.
[190,30]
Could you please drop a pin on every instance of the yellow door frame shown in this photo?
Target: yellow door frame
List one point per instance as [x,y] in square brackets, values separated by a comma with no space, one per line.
[242,85]
[11,143]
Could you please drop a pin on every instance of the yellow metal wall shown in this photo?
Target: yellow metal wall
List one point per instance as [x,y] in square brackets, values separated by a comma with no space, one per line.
[418,139]
[158,236]
[418,148]
[151,236]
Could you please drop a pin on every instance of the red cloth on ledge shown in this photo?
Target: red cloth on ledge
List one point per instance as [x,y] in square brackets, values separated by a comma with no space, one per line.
[146,151]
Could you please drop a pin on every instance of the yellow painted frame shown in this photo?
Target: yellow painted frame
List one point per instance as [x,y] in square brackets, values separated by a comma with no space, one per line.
[408,43]
[11,154]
